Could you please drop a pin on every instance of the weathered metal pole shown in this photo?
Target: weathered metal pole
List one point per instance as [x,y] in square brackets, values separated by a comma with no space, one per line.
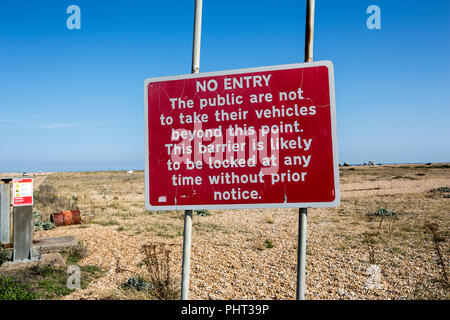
[301,253]
[187,234]
[309,32]
[197,37]
[303,212]
[186,255]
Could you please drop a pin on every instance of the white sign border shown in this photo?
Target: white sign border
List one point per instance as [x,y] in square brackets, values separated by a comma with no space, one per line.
[337,198]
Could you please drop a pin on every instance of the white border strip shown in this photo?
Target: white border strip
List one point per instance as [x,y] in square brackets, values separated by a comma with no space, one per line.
[337,198]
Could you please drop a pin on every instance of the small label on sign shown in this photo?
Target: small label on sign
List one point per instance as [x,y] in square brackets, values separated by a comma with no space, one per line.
[23,192]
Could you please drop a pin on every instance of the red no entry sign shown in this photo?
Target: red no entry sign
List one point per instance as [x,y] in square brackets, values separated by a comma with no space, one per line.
[248,138]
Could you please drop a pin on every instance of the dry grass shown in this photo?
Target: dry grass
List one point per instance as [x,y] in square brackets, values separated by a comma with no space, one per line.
[231,258]
[157,261]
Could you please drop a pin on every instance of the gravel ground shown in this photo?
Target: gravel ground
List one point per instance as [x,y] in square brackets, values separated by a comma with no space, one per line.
[350,255]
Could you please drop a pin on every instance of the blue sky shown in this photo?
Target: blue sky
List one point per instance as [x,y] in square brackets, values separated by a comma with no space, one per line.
[73,99]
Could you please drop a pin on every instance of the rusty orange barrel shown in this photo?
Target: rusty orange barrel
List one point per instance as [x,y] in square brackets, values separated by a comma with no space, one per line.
[66,218]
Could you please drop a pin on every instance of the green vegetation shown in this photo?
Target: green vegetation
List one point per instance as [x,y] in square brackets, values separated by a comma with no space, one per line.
[268,244]
[137,284]
[3,256]
[383,213]
[76,254]
[42,282]
[167,229]
[202,212]
[40,224]
[209,227]
[12,290]
[89,273]
[159,285]
[110,222]
[443,192]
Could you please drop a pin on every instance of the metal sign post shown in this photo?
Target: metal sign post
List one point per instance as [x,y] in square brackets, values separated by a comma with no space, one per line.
[186,264]
[187,234]
[303,212]
[197,37]
[309,33]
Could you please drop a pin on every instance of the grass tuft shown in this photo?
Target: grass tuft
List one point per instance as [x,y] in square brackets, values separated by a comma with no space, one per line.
[12,290]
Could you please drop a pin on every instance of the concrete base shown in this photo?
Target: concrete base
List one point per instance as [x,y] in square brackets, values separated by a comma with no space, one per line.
[60,244]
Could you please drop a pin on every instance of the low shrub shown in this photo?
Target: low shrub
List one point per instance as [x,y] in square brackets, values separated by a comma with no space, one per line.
[383,213]
[202,212]
[268,244]
[3,256]
[137,284]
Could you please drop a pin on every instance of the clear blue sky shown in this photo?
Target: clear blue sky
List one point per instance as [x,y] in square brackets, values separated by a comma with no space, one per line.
[73,99]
